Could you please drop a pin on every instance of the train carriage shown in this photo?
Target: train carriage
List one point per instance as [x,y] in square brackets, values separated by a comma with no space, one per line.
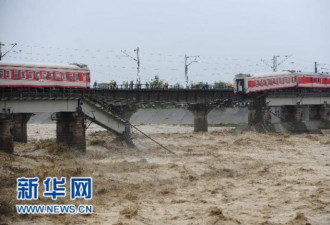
[37,75]
[249,84]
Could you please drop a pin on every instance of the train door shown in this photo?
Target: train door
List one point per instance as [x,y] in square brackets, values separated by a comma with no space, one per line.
[240,85]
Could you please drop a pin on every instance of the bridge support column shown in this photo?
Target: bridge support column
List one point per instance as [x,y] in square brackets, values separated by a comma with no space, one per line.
[200,112]
[291,113]
[325,112]
[305,113]
[127,113]
[70,130]
[258,112]
[298,114]
[6,136]
[276,114]
[20,128]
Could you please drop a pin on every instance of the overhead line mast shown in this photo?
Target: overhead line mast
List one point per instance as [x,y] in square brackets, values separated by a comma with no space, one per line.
[274,60]
[3,55]
[137,59]
[186,65]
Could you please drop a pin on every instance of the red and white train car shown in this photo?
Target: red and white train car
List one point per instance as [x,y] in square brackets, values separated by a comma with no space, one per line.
[17,75]
[248,84]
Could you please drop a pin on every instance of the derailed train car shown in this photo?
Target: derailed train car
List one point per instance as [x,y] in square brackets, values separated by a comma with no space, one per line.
[249,84]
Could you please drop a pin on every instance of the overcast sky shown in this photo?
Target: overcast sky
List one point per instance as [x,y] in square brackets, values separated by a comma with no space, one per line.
[230,36]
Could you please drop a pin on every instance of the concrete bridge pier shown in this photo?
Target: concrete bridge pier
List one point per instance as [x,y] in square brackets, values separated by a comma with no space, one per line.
[305,113]
[259,112]
[71,130]
[325,113]
[298,114]
[20,128]
[289,114]
[293,113]
[276,114]
[126,112]
[200,112]
[6,134]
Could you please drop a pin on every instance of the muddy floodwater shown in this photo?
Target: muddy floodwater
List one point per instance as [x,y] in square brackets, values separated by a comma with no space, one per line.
[219,177]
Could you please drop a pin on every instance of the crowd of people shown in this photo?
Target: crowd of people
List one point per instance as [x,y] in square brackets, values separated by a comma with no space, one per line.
[129,85]
[150,85]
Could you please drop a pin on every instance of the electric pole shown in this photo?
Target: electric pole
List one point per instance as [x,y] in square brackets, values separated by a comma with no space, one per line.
[315,67]
[186,65]
[274,60]
[0,50]
[137,60]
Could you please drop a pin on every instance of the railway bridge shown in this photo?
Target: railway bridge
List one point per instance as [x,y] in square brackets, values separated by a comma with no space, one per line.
[112,109]
[293,111]
[109,108]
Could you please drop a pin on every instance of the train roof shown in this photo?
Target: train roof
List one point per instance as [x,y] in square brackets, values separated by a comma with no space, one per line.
[74,66]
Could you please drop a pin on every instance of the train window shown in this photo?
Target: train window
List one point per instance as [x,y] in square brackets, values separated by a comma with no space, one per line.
[58,76]
[37,75]
[23,74]
[30,74]
[70,76]
[44,75]
[51,76]
[77,76]
[15,74]
[1,74]
[8,74]
[63,75]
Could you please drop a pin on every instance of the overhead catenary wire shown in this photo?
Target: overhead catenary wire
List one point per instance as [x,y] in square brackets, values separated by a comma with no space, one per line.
[165,64]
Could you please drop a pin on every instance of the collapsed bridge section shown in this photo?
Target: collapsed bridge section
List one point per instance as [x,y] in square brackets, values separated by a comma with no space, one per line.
[71,115]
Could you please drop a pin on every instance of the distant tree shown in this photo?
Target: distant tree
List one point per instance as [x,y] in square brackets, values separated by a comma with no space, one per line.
[156,82]
[220,84]
[177,85]
[197,85]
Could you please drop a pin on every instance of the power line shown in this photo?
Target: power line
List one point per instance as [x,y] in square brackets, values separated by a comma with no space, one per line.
[3,55]
[274,60]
